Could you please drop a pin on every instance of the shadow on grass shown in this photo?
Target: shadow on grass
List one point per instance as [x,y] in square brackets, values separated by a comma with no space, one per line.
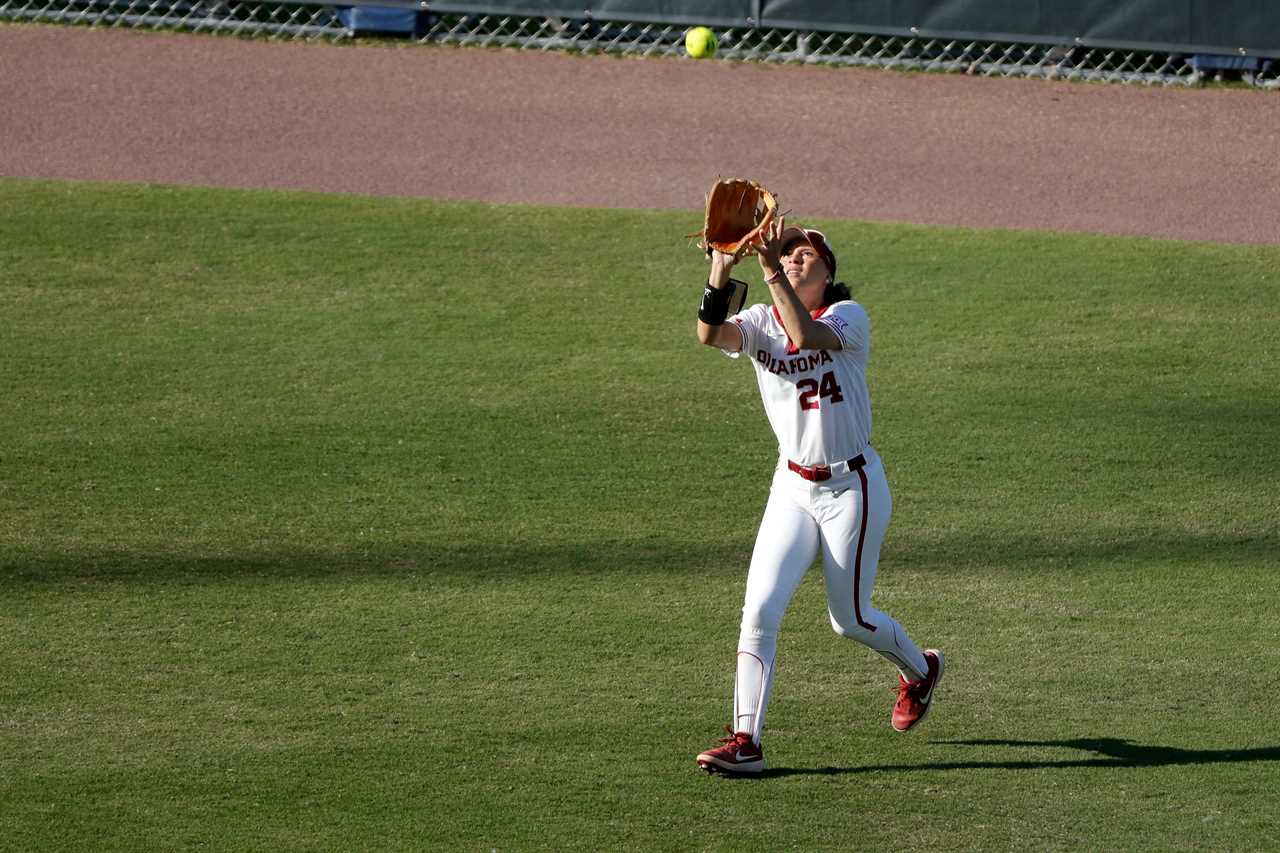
[675,555]
[1108,752]
[479,561]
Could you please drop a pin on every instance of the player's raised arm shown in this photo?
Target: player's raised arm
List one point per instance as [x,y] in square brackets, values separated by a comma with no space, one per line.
[712,328]
[797,275]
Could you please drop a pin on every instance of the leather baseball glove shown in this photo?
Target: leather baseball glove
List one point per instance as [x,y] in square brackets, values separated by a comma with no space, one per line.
[737,212]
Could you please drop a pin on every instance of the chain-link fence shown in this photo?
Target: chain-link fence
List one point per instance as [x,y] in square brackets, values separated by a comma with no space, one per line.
[590,35]
[268,19]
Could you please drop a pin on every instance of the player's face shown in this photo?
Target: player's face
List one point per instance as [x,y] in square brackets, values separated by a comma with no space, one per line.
[807,273]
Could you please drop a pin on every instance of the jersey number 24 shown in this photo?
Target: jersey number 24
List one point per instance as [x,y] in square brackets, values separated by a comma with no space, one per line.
[811,389]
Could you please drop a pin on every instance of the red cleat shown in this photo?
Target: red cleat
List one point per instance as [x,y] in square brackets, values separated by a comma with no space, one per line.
[916,697]
[738,754]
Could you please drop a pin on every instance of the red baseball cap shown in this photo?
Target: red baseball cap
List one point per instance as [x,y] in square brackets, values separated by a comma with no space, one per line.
[814,238]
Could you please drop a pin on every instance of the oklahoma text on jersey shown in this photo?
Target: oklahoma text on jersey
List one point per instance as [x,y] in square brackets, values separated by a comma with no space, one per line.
[791,366]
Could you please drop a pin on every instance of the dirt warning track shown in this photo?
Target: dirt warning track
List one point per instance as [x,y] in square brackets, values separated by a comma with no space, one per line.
[599,131]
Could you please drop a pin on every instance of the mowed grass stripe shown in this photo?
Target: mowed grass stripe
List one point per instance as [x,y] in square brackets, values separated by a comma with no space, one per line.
[330,521]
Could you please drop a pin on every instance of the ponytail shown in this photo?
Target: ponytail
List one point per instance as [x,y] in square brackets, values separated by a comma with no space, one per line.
[836,293]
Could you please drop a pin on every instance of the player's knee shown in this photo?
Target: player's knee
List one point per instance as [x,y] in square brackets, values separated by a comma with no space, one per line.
[851,629]
[760,620]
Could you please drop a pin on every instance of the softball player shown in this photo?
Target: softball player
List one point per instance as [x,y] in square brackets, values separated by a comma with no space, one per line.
[829,493]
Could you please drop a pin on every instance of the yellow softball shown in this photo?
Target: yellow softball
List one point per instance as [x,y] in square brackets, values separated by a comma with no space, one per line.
[700,43]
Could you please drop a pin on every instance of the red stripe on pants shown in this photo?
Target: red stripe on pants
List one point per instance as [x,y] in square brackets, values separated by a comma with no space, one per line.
[857,560]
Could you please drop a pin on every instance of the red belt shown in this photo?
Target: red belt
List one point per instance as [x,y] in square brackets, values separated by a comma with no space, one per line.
[820,473]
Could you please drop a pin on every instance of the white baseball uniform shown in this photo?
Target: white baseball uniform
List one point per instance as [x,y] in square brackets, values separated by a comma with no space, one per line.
[818,405]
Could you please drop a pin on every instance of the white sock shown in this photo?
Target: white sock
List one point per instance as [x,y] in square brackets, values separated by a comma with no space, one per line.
[754,682]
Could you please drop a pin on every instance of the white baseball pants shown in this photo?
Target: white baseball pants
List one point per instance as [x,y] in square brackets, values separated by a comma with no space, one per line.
[845,518]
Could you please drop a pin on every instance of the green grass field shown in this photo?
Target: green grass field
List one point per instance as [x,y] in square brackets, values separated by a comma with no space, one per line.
[331,523]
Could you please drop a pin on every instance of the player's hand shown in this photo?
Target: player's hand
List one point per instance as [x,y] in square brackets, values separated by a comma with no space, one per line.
[719,258]
[769,246]
[721,264]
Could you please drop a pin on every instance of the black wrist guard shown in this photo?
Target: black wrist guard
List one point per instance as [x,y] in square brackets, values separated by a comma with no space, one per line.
[719,303]
[715,305]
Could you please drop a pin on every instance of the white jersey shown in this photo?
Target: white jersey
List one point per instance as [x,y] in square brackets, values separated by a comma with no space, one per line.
[816,400]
